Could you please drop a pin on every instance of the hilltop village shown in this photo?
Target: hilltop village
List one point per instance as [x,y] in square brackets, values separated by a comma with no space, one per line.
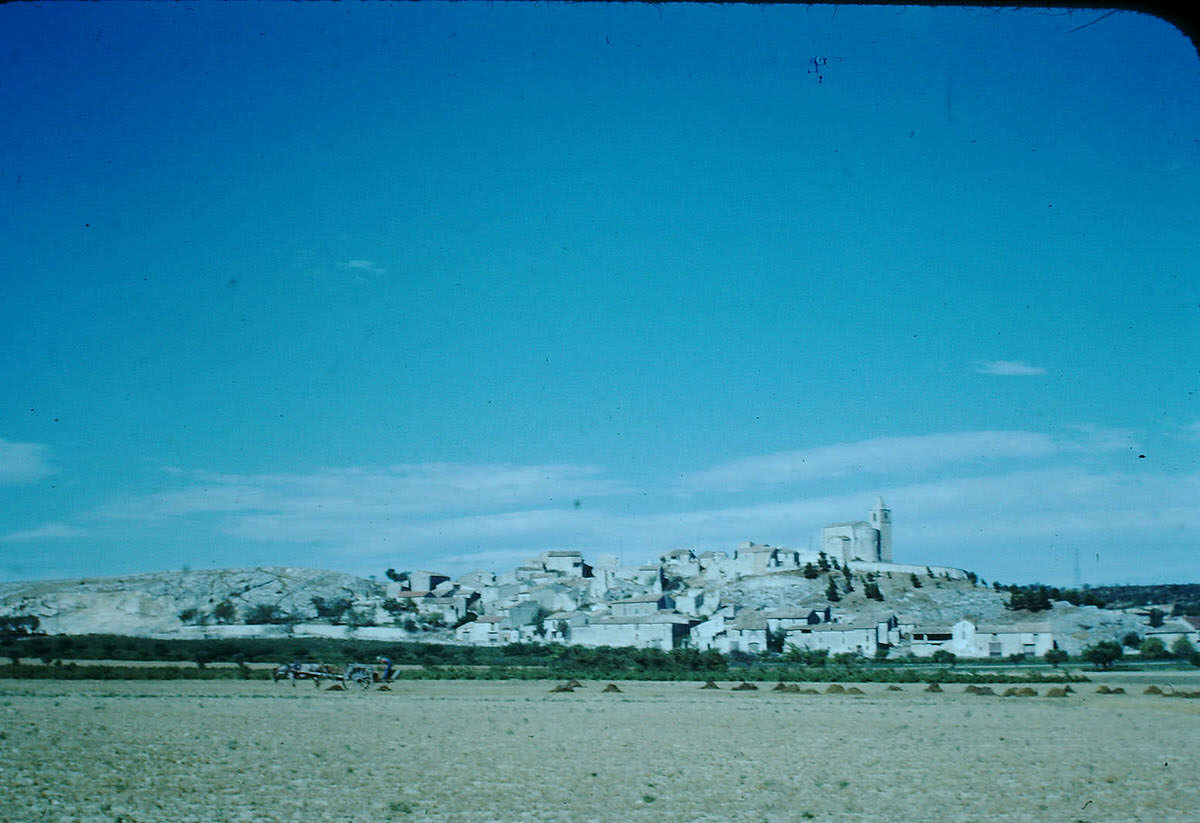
[847,596]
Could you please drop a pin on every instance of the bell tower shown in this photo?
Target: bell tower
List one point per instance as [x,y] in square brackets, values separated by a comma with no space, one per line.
[881,521]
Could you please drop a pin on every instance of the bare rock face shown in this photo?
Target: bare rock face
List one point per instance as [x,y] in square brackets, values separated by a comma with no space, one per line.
[164,603]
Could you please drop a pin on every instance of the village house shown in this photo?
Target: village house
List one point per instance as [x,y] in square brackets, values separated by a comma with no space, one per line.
[836,638]
[752,559]
[691,601]
[966,639]
[643,605]
[482,631]
[680,563]
[783,620]
[560,626]
[747,632]
[716,566]
[425,580]
[653,631]
[566,563]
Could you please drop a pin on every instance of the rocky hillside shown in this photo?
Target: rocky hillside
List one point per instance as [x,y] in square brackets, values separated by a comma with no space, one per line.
[162,602]
[172,603]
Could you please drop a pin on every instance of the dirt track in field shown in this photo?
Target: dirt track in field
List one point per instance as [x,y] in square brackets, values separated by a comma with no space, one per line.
[511,751]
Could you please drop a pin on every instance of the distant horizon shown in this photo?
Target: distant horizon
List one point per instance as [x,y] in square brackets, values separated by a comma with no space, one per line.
[449,284]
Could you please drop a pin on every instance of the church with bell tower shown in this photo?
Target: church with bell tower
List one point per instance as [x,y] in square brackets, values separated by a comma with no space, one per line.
[859,540]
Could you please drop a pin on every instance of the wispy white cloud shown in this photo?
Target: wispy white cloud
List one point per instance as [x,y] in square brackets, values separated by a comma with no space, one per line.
[1008,368]
[953,494]
[22,462]
[1021,512]
[880,456]
[47,531]
[362,266]
[367,492]
[382,512]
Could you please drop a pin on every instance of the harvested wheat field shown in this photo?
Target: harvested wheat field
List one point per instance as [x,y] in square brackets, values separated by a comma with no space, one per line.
[511,751]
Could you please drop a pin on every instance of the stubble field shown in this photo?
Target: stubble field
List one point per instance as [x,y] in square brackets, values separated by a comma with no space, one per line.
[510,751]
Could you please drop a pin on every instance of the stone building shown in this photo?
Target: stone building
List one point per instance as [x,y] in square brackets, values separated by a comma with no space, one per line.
[859,539]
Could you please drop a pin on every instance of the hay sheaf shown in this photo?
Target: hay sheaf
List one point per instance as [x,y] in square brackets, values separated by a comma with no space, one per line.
[854,690]
[1056,692]
[574,684]
[1109,690]
[836,688]
[562,688]
[710,685]
[611,687]
[933,687]
[1152,689]
[745,687]
[1024,691]
[892,687]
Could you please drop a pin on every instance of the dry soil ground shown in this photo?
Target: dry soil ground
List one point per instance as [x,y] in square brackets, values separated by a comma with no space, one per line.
[511,751]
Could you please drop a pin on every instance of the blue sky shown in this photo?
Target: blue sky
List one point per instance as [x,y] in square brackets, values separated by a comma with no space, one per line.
[443,286]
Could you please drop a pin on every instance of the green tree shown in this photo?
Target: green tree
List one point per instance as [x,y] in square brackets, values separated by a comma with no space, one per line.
[1152,649]
[823,562]
[916,581]
[1131,640]
[1156,618]
[1182,648]
[810,571]
[943,656]
[1104,654]
[831,592]
[1031,598]
[1055,657]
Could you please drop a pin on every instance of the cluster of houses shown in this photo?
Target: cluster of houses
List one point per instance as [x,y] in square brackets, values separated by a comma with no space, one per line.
[560,597]
[696,600]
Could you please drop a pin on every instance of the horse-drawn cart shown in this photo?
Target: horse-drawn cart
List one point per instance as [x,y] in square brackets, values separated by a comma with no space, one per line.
[360,674]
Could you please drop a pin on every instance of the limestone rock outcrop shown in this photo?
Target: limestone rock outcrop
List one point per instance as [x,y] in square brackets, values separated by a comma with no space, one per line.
[162,603]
